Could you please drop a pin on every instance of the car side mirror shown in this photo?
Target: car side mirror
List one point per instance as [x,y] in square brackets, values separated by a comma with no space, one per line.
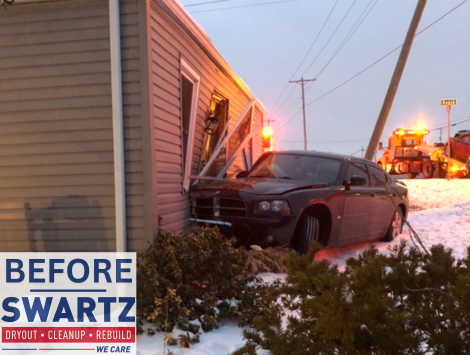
[357,181]
[381,147]
[242,174]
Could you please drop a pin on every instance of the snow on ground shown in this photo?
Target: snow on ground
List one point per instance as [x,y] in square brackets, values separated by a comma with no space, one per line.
[221,341]
[439,213]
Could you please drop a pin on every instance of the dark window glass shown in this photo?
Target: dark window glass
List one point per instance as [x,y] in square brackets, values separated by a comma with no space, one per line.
[377,176]
[215,128]
[318,170]
[409,143]
[186,100]
[357,169]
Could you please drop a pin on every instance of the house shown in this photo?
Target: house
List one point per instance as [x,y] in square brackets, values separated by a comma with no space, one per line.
[108,111]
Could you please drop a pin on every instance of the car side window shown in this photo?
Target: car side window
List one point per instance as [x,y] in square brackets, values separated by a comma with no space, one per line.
[377,176]
[357,169]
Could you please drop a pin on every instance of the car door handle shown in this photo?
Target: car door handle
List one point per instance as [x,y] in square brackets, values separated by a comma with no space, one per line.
[372,194]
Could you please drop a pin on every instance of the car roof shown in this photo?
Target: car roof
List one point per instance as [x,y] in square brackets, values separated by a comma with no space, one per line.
[316,153]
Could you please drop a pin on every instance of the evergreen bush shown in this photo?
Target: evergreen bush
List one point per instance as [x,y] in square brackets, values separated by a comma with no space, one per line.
[407,302]
[192,281]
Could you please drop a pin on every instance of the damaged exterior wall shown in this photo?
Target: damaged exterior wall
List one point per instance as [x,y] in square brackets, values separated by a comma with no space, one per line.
[169,42]
[56,149]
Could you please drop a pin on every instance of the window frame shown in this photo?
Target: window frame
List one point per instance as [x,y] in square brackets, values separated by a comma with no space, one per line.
[367,172]
[186,157]
[226,139]
[371,168]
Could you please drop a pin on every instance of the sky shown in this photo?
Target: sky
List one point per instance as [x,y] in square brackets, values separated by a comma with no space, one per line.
[439,213]
[332,41]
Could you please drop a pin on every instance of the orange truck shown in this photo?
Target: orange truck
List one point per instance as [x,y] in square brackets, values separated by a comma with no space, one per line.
[407,153]
[400,156]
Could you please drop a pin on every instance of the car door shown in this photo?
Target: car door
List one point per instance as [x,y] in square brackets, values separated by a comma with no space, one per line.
[383,206]
[358,205]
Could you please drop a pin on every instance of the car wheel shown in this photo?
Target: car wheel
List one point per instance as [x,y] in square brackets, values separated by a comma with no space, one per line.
[395,228]
[308,231]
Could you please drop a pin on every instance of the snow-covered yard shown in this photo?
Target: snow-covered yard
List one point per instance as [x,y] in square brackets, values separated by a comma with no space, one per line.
[439,213]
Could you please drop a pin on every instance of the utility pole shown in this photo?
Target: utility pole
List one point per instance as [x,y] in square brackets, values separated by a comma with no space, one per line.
[269,120]
[393,86]
[302,81]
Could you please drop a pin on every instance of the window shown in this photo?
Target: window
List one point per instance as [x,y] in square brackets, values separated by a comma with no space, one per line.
[189,91]
[318,170]
[235,141]
[377,176]
[357,169]
[216,130]
[409,143]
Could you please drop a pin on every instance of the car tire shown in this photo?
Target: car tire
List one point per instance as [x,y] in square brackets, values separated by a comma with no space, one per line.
[308,230]
[395,227]
[428,169]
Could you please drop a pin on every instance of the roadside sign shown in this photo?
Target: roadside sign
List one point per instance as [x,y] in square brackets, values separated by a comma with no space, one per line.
[449,102]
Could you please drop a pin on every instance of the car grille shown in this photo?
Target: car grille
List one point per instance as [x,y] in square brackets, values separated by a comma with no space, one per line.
[215,207]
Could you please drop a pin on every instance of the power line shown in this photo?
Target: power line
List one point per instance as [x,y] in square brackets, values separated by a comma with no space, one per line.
[376,62]
[323,48]
[346,39]
[332,35]
[386,55]
[453,124]
[298,67]
[316,38]
[243,6]
[351,32]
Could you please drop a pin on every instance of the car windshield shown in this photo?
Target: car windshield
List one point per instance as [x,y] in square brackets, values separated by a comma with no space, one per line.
[319,170]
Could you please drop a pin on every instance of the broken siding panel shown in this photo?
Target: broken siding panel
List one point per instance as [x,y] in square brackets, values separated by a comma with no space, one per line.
[257,138]
[168,44]
[55,128]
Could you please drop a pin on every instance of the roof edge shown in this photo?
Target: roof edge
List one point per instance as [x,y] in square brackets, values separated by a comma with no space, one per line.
[196,30]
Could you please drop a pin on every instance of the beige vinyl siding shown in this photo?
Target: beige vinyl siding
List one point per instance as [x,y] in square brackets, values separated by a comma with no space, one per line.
[56,149]
[132,112]
[168,43]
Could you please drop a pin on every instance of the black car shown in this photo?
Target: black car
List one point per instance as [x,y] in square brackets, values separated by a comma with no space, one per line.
[294,197]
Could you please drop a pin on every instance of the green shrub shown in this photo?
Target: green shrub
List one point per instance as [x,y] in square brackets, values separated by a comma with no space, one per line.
[199,276]
[407,302]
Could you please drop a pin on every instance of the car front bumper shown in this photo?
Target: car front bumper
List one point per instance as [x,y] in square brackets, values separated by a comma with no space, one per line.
[260,231]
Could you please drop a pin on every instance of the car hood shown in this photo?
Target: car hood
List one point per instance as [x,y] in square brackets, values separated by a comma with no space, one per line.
[258,186]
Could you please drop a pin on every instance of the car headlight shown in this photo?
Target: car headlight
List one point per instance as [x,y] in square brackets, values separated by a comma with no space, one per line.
[264,206]
[277,206]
